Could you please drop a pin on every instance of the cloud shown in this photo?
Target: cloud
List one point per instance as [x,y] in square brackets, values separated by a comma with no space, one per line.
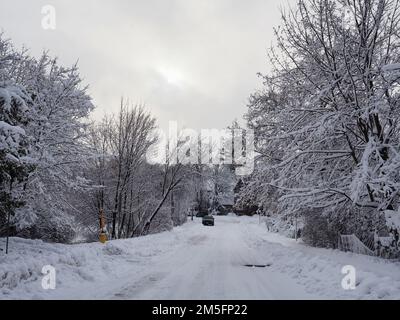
[125,47]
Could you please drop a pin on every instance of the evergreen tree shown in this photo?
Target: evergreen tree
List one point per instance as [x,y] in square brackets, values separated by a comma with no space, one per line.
[15,149]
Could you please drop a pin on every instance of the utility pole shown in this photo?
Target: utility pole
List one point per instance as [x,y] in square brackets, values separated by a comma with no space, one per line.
[296,226]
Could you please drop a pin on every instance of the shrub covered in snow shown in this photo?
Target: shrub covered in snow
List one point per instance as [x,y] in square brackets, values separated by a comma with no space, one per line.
[317,232]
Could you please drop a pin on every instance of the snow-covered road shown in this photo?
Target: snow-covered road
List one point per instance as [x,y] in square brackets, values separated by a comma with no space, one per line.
[194,262]
[212,265]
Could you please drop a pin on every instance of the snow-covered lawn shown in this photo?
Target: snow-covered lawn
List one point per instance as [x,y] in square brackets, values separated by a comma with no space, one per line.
[194,262]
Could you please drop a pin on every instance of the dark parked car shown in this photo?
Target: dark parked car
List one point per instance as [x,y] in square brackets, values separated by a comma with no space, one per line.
[208,221]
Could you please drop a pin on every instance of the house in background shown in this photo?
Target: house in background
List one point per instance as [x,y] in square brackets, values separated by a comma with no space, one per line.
[226,203]
[242,209]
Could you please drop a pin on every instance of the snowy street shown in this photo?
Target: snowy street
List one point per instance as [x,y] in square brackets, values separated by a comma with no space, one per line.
[212,265]
[194,262]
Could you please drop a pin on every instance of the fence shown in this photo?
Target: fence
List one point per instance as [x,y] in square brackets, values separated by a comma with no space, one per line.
[350,243]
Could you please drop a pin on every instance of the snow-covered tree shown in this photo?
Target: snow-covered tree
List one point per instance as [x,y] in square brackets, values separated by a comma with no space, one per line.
[56,128]
[59,127]
[327,121]
[15,148]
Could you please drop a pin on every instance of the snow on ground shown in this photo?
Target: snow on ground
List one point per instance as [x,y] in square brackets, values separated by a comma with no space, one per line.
[194,262]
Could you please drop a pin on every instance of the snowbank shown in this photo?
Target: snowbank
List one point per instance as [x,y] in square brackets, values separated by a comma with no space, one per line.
[76,265]
[319,270]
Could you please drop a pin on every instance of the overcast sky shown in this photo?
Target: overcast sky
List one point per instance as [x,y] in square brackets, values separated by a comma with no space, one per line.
[192,61]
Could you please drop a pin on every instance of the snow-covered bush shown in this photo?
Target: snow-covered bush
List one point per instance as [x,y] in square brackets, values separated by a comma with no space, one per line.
[284,225]
[318,232]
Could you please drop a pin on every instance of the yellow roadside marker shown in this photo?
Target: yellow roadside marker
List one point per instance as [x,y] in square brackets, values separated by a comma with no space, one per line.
[103,235]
